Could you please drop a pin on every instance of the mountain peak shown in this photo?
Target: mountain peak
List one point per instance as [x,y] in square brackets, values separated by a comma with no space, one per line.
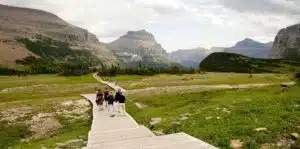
[247,42]
[139,35]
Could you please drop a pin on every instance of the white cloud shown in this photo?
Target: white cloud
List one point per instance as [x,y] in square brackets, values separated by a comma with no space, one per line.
[176,23]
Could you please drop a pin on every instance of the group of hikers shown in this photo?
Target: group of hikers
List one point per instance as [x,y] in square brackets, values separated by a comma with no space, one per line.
[113,103]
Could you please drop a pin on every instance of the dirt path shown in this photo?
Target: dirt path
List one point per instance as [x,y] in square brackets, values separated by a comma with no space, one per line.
[191,88]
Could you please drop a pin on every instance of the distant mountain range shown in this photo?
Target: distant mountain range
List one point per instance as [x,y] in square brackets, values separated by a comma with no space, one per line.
[66,42]
[252,48]
[37,27]
[247,47]
[191,57]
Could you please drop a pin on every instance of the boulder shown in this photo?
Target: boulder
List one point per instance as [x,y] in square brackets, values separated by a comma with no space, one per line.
[236,144]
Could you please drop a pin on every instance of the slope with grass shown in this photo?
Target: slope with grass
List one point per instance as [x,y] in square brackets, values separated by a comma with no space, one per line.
[43,110]
[230,62]
[166,80]
[221,116]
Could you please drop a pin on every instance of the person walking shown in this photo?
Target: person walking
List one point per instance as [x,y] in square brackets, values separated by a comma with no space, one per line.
[117,98]
[121,104]
[99,99]
[106,93]
[110,101]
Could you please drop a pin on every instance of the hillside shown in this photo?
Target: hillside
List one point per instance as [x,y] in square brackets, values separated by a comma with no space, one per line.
[37,23]
[230,62]
[251,48]
[139,47]
[287,43]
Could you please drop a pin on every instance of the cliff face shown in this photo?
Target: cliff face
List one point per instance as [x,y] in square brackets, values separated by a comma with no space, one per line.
[249,47]
[139,46]
[18,22]
[287,43]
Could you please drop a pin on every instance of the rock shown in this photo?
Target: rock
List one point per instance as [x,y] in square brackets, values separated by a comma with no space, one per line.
[295,136]
[140,105]
[158,132]
[43,115]
[25,140]
[155,121]
[285,143]
[261,129]
[185,114]
[208,118]
[183,118]
[236,144]
[177,123]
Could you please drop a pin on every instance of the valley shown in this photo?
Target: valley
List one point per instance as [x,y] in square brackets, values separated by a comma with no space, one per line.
[242,95]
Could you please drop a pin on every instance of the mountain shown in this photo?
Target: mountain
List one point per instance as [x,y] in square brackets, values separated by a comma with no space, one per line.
[192,57]
[251,48]
[139,47]
[37,25]
[188,57]
[232,62]
[287,43]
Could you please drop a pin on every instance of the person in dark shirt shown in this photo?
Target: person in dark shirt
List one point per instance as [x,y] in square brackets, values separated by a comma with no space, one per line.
[99,99]
[106,93]
[121,104]
[110,101]
[117,98]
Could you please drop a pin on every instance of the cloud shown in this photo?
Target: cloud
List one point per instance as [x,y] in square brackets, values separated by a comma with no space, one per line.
[290,7]
[176,23]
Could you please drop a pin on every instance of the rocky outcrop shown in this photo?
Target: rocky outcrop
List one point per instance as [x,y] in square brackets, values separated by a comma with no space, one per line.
[252,48]
[18,22]
[139,46]
[287,43]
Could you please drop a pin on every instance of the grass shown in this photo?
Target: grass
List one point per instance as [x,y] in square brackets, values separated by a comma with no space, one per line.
[43,93]
[15,81]
[137,82]
[219,116]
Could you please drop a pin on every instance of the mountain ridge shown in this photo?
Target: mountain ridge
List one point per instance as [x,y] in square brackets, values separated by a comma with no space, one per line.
[33,23]
[252,48]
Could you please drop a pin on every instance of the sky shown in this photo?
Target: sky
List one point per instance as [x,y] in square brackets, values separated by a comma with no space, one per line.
[176,24]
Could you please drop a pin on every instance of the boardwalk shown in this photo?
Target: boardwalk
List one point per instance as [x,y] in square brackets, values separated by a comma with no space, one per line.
[122,132]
